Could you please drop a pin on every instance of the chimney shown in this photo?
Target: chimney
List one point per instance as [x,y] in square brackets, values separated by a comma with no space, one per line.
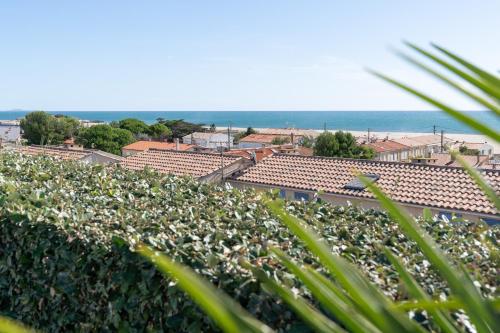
[176,140]
[291,137]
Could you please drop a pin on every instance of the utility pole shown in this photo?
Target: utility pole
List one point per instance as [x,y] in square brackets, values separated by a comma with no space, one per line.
[324,126]
[229,137]
[222,166]
[368,135]
[434,129]
[442,140]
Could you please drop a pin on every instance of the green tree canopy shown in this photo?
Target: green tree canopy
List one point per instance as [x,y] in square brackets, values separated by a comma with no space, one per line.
[280,140]
[133,125]
[105,137]
[42,128]
[340,144]
[181,128]
[159,131]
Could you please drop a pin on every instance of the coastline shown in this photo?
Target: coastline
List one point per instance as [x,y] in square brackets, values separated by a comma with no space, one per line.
[476,138]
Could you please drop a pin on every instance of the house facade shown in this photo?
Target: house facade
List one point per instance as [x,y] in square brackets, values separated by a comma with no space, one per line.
[209,140]
[424,145]
[389,151]
[444,190]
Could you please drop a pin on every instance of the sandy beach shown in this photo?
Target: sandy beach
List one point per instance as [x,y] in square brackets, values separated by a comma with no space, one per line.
[476,138]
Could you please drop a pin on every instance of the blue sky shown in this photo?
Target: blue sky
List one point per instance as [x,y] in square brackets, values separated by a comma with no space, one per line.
[230,55]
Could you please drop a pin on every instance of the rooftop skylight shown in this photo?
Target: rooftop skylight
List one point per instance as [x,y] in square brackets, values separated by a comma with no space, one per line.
[356,184]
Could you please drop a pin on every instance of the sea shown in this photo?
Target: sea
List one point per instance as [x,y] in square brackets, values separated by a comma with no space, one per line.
[377,121]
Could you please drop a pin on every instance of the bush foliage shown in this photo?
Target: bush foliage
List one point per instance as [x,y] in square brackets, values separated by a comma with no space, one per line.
[65,263]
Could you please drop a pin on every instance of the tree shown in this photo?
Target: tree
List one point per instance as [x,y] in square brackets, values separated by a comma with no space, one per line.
[42,128]
[340,144]
[182,128]
[105,137]
[280,140]
[213,128]
[241,135]
[466,151]
[308,141]
[159,131]
[133,125]
[250,130]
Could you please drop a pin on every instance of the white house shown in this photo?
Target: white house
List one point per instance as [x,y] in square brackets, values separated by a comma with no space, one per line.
[209,140]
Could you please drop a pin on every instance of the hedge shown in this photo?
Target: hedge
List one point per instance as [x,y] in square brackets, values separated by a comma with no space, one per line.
[67,230]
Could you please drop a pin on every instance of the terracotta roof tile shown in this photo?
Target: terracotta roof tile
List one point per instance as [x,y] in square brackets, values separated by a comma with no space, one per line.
[381,146]
[178,163]
[265,138]
[63,153]
[436,186]
[145,145]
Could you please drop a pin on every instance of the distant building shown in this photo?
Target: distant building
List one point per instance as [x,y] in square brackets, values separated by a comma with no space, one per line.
[422,146]
[70,144]
[206,167]
[140,146]
[483,148]
[259,140]
[443,189]
[209,140]
[389,151]
[84,155]
[445,159]
[10,132]
[253,154]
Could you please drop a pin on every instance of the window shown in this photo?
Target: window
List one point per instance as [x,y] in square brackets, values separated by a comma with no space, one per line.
[491,221]
[301,196]
[356,184]
[282,194]
[449,215]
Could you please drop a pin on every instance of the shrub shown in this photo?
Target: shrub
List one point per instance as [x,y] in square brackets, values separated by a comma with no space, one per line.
[66,266]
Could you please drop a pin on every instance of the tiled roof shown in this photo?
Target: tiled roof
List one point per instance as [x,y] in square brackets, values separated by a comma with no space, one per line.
[63,153]
[260,153]
[425,185]
[265,138]
[381,146]
[178,163]
[446,159]
[422,140]
[145,145]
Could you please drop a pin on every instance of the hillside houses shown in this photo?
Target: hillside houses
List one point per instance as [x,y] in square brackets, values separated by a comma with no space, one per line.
[422,146]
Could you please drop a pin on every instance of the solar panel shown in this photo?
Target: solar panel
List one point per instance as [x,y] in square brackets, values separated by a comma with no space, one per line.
[357,185]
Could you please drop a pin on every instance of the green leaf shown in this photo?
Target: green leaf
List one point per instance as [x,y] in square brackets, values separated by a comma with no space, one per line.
[483,185]
[479,99]
[441,319]
[369,299]
[491,78]
[487,87]
[221,308]
[10,326]
[318,321]
[480,312]
[460,116]
[329,297]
